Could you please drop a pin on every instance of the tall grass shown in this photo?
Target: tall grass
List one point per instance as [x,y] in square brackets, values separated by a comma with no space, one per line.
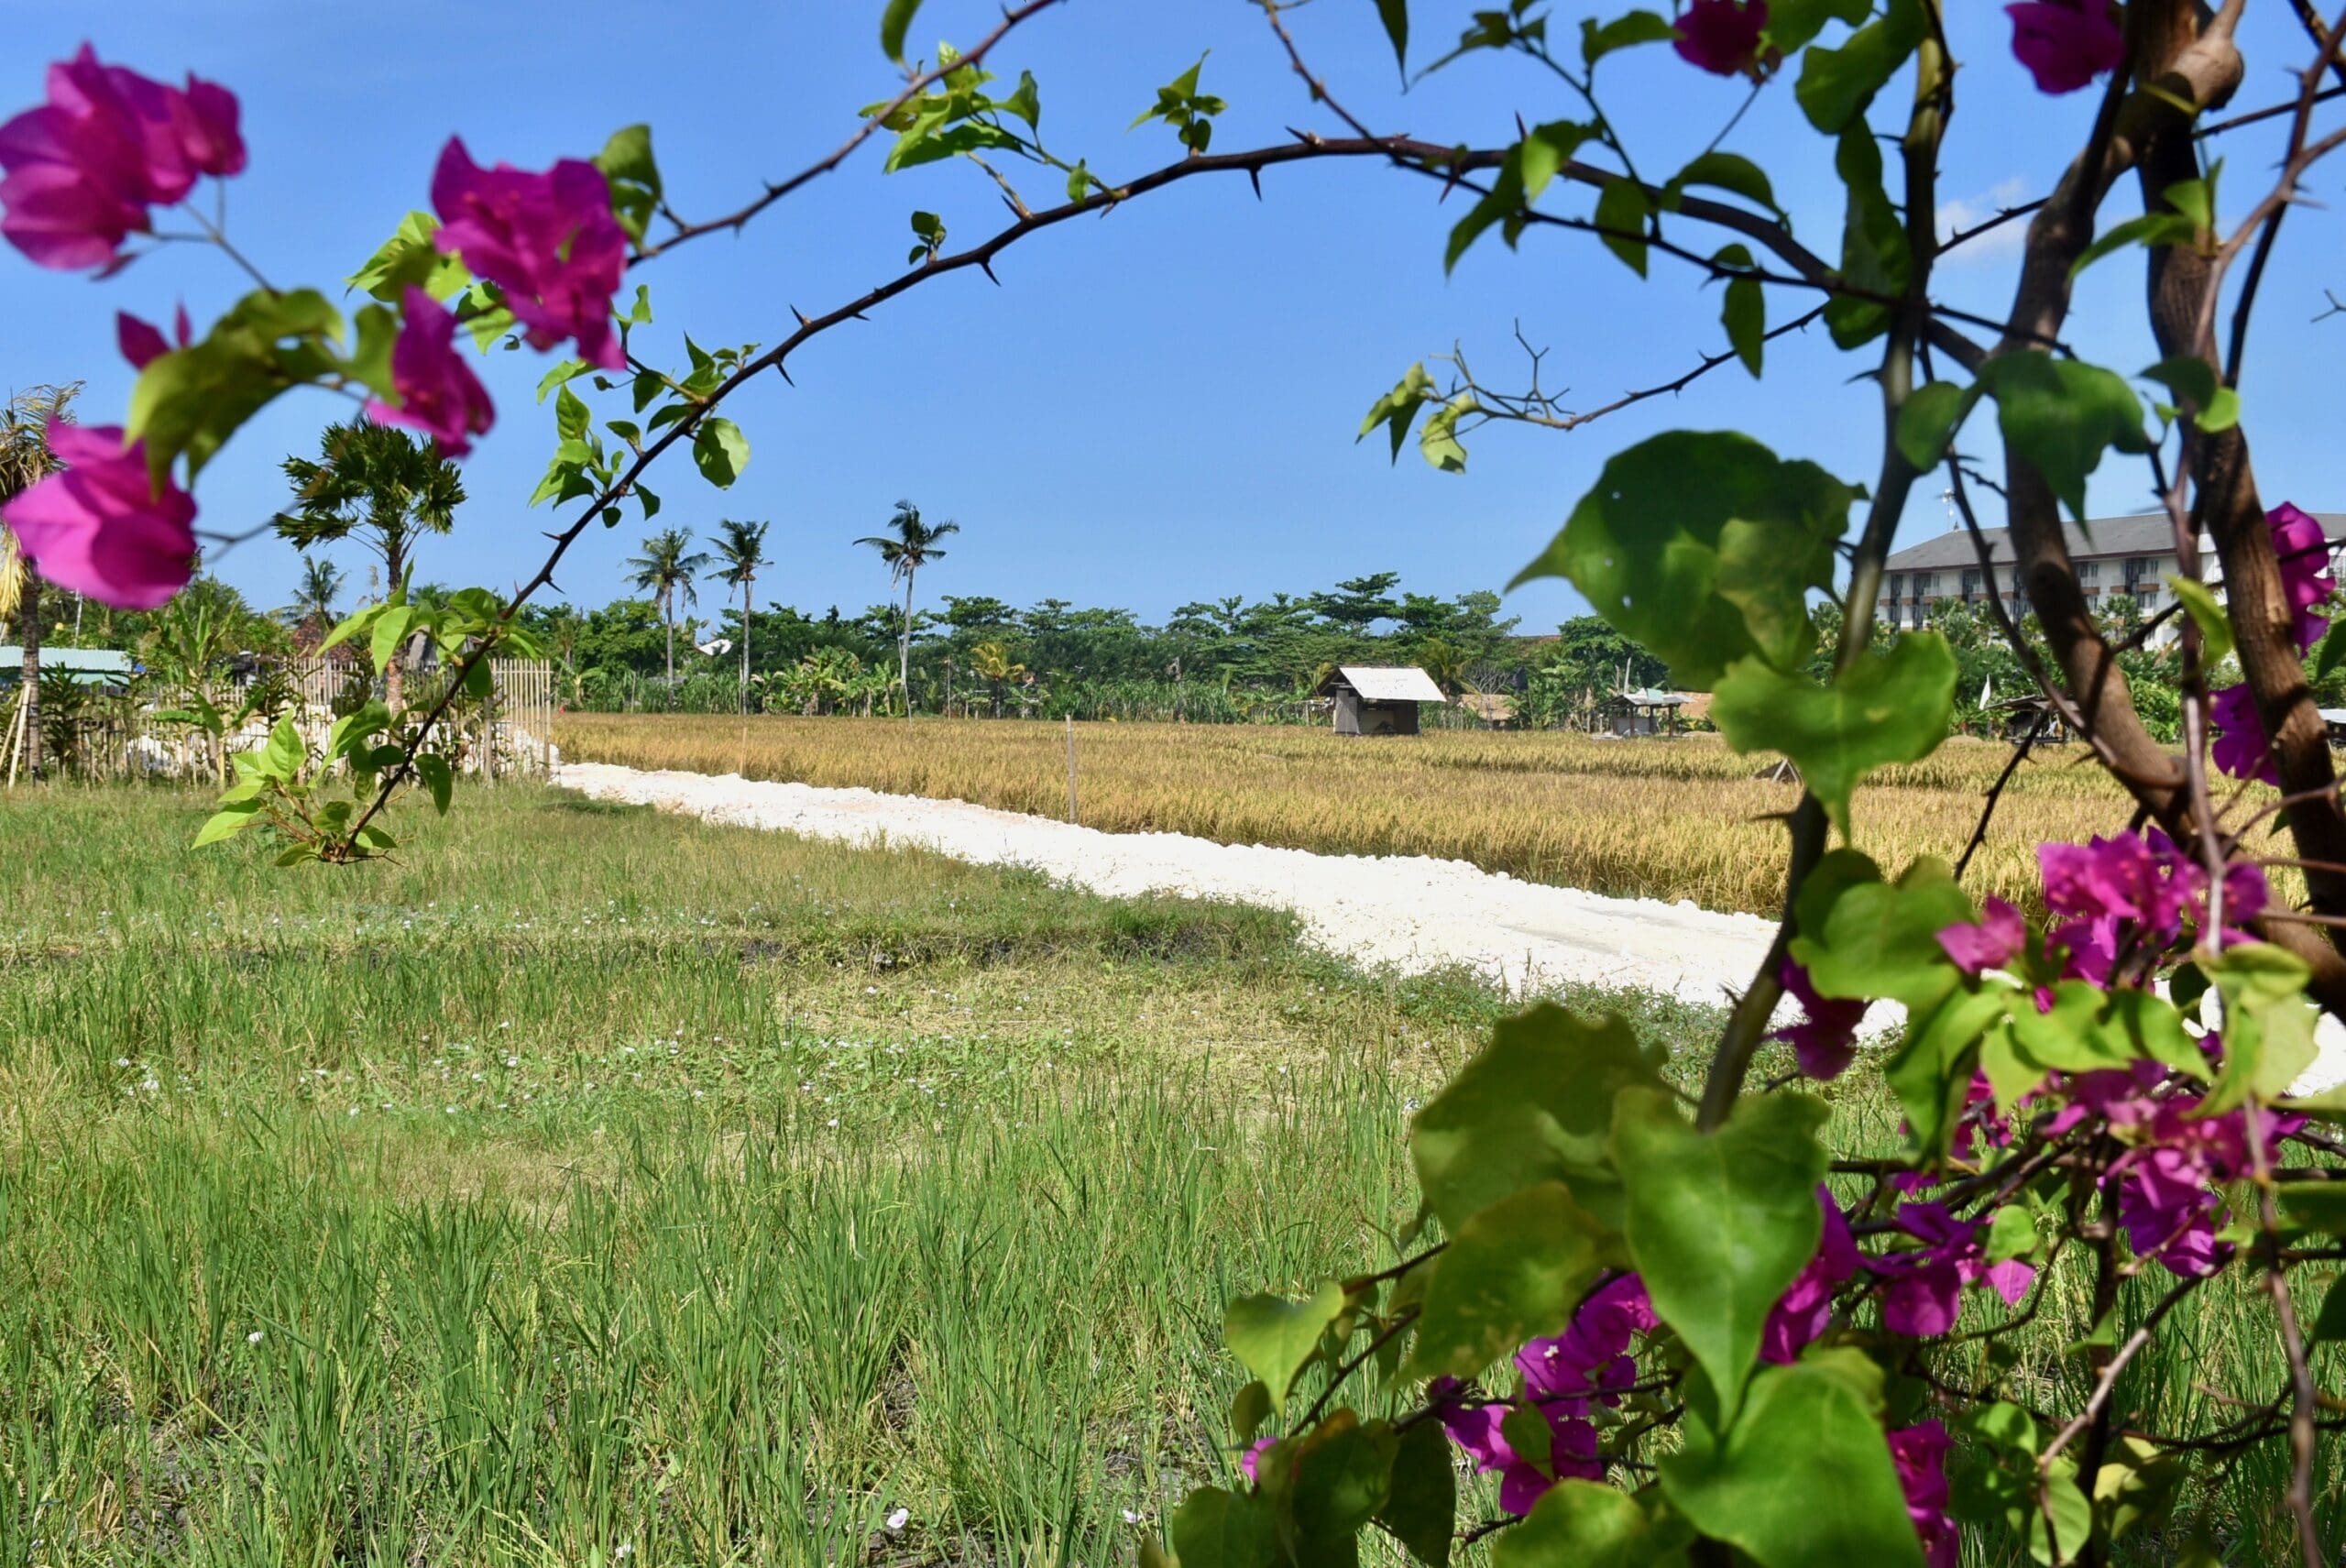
[593,1185]
[1671,820]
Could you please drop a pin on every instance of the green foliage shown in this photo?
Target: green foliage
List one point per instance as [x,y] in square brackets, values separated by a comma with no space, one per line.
[1719,1223]
[1190,112]
[1837,84]
[191,400]
[1274,1338]
[1535,1106]
[1729,1479]
[1882,707]
[1515,1270]
[1703,546]
[2061,415]
[633,174]
[1580,1524]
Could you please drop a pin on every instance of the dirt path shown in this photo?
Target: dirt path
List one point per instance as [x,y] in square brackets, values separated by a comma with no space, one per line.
[1407,912]
[1404,911]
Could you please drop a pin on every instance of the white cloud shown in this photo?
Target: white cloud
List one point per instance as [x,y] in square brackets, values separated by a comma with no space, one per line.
[1969,211]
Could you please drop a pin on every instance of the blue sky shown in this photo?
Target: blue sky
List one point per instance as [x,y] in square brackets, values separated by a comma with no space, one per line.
[1154,407]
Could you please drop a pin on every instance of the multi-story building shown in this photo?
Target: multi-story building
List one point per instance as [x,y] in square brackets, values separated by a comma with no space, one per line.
[2114,555]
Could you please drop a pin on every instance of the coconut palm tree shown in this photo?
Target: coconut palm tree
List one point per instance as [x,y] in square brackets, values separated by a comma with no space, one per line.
[666,570]
[381,486]
[741,550]
[314,594]
[911,545]
[992,663]
[25,461]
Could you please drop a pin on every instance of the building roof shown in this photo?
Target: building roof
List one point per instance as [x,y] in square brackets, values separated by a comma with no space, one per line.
[1380,683]
[88,666]
[2150,534]
[1652,696]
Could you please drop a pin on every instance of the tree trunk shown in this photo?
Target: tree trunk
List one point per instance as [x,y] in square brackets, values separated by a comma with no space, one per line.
[28,611]
[745,645]
[905,649]
[395,672]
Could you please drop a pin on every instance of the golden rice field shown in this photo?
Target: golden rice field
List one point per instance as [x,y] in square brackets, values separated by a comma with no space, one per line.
[1663,818]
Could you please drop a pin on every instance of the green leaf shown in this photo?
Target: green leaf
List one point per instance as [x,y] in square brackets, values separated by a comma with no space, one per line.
[1719,1223]
[438,778]
[1421,1509]
[570,415]
[2198,602]
[2012,1233]
[1727,171]
[225,822]
[2061,415]
[1847,1507]
[390,629]
[563,371]
[1399,408]
[633,176]
[1626,32]
[721,451]
[192,399]
[1883,709]
[2215,407]
[370,361]
[1274,1338]
[2267,1025]
[1395,14]
[1026,101]
[1343,1474]
[894,23]
[2153,229]
[1837,85]
[1438,442]
[1863,937]
[1875,254]
[1534,1105]
[1622,209]
[1928,421]
[1792,23]
[1744,313]
[1579,1524]
[1531,165]
[1648,545]
[2331,1324]
[409,256]
[1215,1529]
[1514,1271]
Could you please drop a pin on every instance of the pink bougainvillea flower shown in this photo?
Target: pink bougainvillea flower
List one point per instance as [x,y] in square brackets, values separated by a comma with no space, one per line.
[2304,551]
[1920,1451]
[1478,1430]
[1999,937]
[1825,1039]
[2066,43]
[1590,1359]
[1253,1457]
[82,170]
[2241,749]
[98,527]
[438,392]
[1805,1307]
[1924,1296]
[1721,35]
[548,240]
[143,343]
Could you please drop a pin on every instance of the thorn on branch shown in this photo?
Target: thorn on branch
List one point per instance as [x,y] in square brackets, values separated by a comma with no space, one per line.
[801,316]
[986,267]
[1255,178]
[785,373]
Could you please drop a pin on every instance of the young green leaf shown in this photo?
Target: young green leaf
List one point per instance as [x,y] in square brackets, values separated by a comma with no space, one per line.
[1395,14]
[721,451]
[1884,708]
[2199,601]
[1837,85]
[1215,1529]
[1928,419]
[1421,1509]
[1513,1272]
[1719,1223]
[894,23]
[1582,1524]
[1625,31]
[1274,1338]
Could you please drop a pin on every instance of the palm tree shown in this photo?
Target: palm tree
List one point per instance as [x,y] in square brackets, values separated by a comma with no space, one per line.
[912,546]
[1449,665]
[382,485]
[314,596]
[25,461]
[741,550]
[992,663]
[665,571]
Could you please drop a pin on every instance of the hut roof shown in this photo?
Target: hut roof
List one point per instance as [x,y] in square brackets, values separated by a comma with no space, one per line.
[1652,696]
[1379,683]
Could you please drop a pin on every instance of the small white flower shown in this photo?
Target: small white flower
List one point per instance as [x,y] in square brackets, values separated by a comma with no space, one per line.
[625,1549]
[897,1521]
[122,1061]
[253,1338]
[832,1122]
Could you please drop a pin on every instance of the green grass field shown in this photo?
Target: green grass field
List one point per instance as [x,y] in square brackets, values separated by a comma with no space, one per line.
[595,1186]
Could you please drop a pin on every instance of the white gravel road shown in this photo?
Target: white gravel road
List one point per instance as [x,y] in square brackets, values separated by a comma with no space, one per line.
[1406,912]
[1403,912]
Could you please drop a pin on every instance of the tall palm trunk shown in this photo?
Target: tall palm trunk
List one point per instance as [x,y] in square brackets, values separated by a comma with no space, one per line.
[668,618]
[28,611]
[905,649]
[745,644]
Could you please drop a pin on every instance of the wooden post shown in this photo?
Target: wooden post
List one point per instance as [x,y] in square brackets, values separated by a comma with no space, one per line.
[17,735]
[1071,768]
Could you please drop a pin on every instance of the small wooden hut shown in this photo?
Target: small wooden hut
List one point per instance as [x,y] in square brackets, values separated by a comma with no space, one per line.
[1644,711]
[1372,699]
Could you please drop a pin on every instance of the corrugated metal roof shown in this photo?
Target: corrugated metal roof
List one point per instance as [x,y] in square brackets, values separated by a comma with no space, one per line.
[89,666]
[2150,534]
[1378,682]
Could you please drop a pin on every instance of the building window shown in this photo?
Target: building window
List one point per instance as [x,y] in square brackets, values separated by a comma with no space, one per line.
[2089,571]
[1897,585]
[1971,585]
[1925,584]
